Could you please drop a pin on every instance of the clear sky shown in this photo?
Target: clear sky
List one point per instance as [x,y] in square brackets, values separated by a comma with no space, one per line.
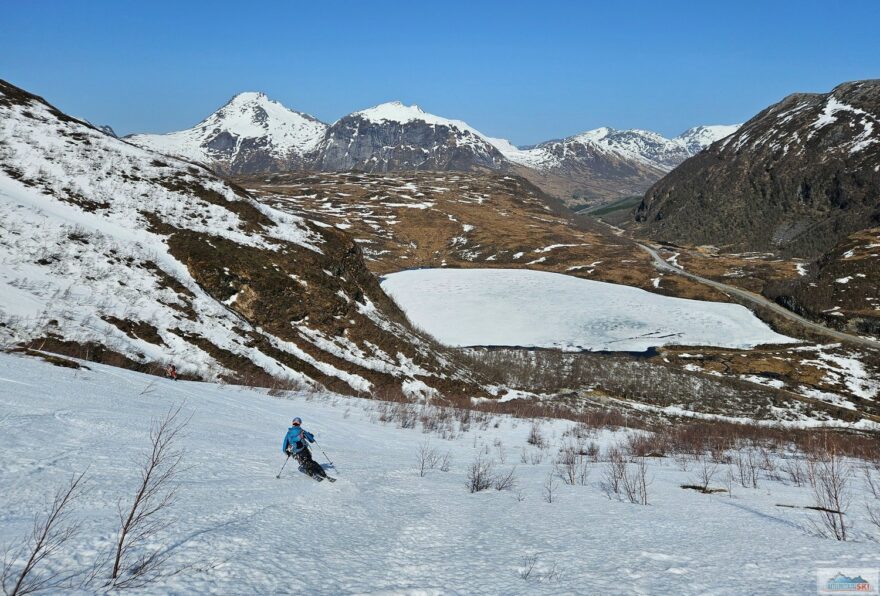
[527,71]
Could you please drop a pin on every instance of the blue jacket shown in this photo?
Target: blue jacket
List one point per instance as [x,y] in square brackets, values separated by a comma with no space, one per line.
[294,439]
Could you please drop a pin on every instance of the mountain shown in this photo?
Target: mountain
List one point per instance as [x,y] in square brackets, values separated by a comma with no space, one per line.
[251,133]
[797,178]
[118,254]
[396,137]
[605,164]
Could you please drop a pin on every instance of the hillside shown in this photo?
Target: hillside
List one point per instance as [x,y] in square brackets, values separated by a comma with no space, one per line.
[796,179]
[142,259]
[383,526]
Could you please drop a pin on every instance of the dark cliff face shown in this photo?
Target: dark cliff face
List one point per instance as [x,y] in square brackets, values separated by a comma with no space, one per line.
[356,143]
[796,178]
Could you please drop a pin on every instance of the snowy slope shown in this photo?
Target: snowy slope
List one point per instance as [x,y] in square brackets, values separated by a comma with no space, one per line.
[381,528]
[515,307]
[249,133]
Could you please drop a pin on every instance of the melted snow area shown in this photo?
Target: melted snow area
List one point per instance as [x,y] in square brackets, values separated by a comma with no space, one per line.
[503,307]
[382,528]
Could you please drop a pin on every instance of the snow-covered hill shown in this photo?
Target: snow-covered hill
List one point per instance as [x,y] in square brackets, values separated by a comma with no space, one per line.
[381,528]
[250,133]
[130,256]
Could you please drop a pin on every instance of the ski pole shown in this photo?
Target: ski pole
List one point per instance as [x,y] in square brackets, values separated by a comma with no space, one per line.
[282,466]
[324,454]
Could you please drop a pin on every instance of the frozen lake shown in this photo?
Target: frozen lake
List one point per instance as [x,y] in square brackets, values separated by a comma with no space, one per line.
[517,307]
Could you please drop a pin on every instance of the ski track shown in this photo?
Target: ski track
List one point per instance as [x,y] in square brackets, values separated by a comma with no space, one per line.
[381,528]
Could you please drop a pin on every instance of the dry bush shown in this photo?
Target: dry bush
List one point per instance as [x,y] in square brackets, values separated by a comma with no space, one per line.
[573,465]
[135,562]
[613,472]
[831,477]
[21,573]
[427,458]
[505,481]
[635,482]
[535,437]
[746,464]
[645,445]
[705,471]
[550,488]
[794,469]
[480,474]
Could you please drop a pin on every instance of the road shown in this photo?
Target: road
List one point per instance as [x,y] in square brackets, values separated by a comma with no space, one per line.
[763,302]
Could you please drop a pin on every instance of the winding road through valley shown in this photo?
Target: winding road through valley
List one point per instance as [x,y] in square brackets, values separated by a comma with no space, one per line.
[759,300]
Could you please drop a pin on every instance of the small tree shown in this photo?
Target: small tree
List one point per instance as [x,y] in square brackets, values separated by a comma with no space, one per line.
[831,476]
[479,474]
[705,471]
[49,534]
[550,487]
[427,458]
[134,565]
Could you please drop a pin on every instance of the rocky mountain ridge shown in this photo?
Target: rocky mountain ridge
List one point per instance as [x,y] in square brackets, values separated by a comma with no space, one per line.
[253,134]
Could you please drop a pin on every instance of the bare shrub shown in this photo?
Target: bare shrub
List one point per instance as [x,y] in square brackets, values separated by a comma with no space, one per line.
[535,437]
[573,465]
[426,459]
[505,481]
[831,488]
[479,474]
[705,471]
[445,462]
[794,469]
[635,482]
[746,463]
[527,566]
[50,533]
[613,472]
[135,562]
[550,487]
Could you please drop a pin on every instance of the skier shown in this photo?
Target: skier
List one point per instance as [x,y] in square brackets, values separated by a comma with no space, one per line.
[295,445]
[171,372]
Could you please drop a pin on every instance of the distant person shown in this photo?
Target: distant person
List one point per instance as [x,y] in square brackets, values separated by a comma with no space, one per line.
[295,445]
[171,372]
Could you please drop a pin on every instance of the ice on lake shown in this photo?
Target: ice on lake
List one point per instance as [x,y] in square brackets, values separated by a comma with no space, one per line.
[517,307]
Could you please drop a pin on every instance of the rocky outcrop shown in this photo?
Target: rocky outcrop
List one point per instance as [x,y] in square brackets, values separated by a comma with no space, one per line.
[796,179]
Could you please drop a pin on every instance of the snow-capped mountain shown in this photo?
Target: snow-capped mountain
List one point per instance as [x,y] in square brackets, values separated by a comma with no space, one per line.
[641,146]
[699,137]
[121,254]
[605,163]
[393,136]
[251,133]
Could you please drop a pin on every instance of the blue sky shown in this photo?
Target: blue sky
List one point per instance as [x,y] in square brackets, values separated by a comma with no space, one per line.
[528,71]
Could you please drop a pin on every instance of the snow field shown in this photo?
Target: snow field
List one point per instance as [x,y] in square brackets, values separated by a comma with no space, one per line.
[507,307]
[381,528]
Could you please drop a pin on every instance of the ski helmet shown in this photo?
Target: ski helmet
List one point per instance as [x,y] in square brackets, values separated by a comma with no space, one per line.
[297,421]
